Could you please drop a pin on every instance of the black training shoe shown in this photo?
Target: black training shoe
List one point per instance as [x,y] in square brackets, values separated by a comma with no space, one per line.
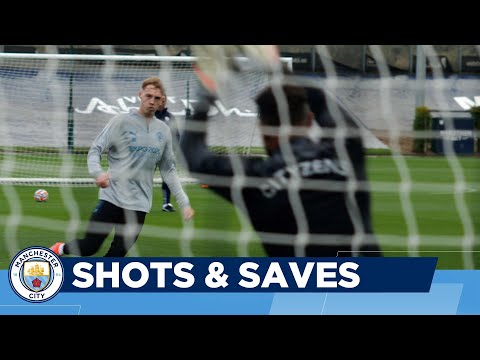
[168,207]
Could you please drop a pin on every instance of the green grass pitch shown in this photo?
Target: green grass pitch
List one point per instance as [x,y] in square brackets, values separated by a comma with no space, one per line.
[215,230]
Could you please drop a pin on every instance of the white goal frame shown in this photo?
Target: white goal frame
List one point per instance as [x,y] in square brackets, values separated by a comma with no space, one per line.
[52,58]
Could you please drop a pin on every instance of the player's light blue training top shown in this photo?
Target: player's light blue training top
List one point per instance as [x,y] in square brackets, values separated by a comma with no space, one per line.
[135,148]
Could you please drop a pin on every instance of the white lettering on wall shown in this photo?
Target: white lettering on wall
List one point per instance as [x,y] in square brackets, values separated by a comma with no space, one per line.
[465,103]
[96,104]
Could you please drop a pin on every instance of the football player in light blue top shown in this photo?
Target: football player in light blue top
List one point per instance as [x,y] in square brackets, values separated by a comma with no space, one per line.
[136,143]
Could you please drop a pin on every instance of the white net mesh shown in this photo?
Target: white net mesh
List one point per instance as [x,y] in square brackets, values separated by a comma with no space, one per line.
[52,106]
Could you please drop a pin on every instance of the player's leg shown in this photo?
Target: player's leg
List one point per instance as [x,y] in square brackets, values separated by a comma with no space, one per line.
[167,206]
[166,193]
[100,225]
[127,231]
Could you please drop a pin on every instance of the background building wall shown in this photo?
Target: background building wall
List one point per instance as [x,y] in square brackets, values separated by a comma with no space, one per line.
[354,57]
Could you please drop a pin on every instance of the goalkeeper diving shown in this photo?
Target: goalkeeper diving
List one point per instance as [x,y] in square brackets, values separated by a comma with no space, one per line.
[300,198]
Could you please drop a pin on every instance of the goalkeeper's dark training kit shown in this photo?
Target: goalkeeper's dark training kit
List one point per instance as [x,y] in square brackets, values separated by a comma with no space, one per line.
[323,207]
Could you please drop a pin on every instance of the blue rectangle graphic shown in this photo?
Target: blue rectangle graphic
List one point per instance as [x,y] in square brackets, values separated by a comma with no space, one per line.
[196,274]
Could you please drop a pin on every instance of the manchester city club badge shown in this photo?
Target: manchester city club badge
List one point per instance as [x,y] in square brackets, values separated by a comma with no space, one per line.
[36,274]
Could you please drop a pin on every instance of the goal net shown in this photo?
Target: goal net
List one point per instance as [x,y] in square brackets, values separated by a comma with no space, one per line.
[423,203]
[53,106]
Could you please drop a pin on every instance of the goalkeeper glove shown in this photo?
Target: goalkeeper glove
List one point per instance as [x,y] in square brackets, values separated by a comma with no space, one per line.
[206,95]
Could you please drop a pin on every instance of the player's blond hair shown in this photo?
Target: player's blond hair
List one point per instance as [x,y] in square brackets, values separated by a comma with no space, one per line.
[155,82]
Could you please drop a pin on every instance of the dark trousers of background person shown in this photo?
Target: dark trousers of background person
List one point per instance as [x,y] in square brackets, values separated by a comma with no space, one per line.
[105,218]
[166,193]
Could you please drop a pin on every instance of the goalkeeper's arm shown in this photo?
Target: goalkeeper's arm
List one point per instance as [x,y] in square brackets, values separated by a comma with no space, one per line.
[193,141]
